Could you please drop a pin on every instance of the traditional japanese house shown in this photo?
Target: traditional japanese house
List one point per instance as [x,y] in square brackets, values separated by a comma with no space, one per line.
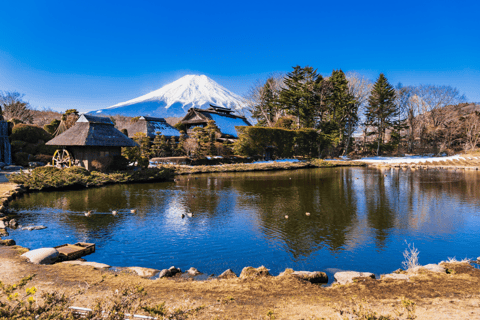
[91,138]
[150,126]
[224,118]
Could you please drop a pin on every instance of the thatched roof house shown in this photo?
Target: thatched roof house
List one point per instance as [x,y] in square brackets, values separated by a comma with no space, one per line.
[224,118]
[92,138]
[150,126]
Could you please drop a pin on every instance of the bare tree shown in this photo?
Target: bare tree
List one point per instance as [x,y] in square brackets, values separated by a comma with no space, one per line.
[359,87]
[262,100]
[433,99]
[408,105]
[13,107]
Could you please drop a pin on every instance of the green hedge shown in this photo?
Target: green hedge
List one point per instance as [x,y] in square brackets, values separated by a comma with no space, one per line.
[29,133]
[286,143]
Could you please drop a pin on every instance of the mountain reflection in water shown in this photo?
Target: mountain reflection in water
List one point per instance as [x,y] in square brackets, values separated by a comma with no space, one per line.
[359,219]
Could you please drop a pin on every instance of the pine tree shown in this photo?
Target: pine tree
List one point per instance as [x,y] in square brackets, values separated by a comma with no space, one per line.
[382,112]
[299,96]
[159,146]
[172,145]
[341,106]
[180,150]
[213,132]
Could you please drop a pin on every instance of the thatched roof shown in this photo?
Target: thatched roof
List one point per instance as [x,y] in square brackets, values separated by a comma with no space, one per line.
[149,126]
[92,131]
[224,118]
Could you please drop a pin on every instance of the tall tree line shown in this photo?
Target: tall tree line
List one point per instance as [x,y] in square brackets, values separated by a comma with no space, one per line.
[343,105]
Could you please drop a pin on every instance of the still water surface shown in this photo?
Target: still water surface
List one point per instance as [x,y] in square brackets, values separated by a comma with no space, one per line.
[360,219]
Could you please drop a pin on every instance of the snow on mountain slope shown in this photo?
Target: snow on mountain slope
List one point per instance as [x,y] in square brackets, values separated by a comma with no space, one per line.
[174,99]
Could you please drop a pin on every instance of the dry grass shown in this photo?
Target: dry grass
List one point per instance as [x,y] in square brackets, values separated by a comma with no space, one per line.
[434,295]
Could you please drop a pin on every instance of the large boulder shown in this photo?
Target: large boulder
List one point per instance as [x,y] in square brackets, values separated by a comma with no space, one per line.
[144,272]
[310,276]
[251,272]
[193,272]
[227,274]
[165,273]
[2,224]
[42,256]
[95,265]
[174,270]
[345,277]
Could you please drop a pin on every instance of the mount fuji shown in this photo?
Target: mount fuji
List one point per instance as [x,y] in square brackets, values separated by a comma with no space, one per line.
[174,99]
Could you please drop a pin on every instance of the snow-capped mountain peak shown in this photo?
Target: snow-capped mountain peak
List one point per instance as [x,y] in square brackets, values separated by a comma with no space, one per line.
[174,99]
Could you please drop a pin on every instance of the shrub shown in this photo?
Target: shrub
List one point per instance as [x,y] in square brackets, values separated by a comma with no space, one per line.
[21,158]
[46,170]
[286,143]
[45,158]
[29,133]
[17,144]
[77,170]
[119,163]
[143,162]
[411,257]
[102,164]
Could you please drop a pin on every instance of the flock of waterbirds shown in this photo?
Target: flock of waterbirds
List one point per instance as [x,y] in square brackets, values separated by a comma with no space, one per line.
[114,212]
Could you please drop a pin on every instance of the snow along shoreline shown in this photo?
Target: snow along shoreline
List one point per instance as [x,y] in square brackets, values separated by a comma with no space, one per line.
[412,159]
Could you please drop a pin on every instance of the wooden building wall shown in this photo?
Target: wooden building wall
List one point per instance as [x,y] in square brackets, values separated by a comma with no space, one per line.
[87,154]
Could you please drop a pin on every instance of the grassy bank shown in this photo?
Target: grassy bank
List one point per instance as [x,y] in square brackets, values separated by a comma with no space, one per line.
[45,178]
[244,167]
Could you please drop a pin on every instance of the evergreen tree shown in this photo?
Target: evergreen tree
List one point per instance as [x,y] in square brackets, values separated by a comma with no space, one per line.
[180,150]
[213,132]
[172,145]
[159,146]
[144,145]
[201,138]
[381,113]
[341,106]
[299,97]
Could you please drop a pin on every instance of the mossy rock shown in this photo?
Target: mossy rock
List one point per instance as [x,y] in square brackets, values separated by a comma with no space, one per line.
[251,272]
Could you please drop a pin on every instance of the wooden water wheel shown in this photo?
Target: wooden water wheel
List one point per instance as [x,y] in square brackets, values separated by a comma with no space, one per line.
[62,158]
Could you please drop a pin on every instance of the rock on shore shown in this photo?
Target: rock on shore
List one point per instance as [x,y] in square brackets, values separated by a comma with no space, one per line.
[251,272]
[42,255]
[310,276]
[144,272]
[345,277]
[227,274]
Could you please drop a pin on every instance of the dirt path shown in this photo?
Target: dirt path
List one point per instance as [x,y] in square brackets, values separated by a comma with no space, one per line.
[437,296]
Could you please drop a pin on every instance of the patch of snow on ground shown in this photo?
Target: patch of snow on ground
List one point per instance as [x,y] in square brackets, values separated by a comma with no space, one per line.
[409,159]
[281,160]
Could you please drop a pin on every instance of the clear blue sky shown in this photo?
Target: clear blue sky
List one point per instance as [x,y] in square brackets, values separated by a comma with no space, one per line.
[94,54]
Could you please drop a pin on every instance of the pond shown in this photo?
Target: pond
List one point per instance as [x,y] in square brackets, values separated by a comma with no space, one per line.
[360,219]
